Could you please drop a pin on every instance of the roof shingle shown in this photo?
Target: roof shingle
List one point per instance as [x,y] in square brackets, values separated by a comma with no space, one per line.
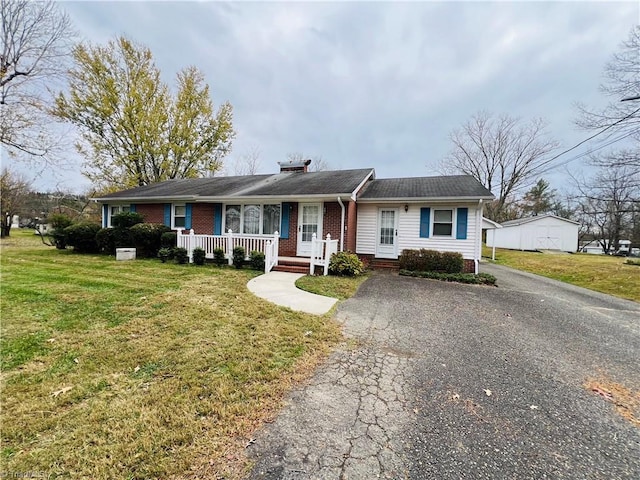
[426,187]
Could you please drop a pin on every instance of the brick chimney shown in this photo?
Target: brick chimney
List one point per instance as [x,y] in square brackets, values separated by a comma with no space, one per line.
[295,166]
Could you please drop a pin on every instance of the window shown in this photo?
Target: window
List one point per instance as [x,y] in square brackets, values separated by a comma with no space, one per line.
[443,223]
[270,219]
[252,219]
[387,227]
[232,219]
[179,216]
[251,223]
[117,209]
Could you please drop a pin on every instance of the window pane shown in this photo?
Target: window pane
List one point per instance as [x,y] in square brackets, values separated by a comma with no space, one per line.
[387,227]
[308,231]
[386,236]
[442,229]
[232,218]
[270,219]
[115,210]
[179,210]
[443,216]
[178,222]
[310,214]
[251,219]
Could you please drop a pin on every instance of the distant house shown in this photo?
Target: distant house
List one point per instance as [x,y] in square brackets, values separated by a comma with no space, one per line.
[595,247]
[375,218]
[542,232]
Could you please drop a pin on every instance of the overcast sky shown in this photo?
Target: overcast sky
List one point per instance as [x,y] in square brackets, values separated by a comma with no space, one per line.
[374,84]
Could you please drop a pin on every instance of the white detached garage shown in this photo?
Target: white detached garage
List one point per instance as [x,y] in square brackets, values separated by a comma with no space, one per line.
[543,232]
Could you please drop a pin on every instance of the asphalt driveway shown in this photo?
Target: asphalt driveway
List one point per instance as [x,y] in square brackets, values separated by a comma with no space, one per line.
[453,381]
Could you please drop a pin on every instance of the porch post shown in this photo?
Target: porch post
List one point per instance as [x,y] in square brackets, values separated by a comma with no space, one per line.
[267,256]
[276,243]
[312,263]
[192,241]
[230,246]
[326,254]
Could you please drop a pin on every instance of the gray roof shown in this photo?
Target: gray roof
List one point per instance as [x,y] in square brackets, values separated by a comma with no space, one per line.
[521,221]
[339,182]
[426,187]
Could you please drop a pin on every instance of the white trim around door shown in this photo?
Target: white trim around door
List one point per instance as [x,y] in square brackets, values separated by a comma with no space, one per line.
[387,233]
[309,222]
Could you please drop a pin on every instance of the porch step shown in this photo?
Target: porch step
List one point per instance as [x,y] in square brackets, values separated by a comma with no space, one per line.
[292,265]
[291,269]
[383,263]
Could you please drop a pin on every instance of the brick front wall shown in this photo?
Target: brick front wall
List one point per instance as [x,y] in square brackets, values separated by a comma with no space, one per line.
[152,213]
[202,218]
[331,221]
[351,225]
[288,246]
[469,266]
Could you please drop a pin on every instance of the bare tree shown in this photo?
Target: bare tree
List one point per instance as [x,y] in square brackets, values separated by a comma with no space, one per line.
[503,153]
[622,80]
[248,163]
[608,202]
[14,189]
[36,41]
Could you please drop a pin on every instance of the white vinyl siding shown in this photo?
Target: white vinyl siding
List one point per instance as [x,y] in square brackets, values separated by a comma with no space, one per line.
[409,230]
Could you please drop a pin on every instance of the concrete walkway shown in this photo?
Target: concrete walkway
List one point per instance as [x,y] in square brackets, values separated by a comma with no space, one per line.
[280,288]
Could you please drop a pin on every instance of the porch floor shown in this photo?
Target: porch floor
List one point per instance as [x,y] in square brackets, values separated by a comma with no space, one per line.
[301,260]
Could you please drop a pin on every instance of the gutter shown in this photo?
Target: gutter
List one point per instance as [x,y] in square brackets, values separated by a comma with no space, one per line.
[341,224]
[478,246]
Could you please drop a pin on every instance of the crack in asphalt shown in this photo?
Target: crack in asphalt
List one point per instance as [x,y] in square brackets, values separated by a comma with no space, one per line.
[410,399]
[365,390]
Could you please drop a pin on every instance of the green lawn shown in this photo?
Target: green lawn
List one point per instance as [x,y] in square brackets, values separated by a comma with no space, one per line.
[140,369]
[602,273]
[329,286]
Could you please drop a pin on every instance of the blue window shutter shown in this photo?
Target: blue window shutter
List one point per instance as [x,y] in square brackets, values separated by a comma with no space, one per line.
[167,214]
[105,215]
[187,216]
[217,219]
[284,220]
[132,208]
[425,220]
[461,223]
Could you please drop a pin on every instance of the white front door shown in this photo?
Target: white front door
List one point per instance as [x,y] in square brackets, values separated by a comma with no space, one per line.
[387,233]
[309,222]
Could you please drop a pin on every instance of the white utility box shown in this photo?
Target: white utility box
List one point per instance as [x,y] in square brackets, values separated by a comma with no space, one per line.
[125,254]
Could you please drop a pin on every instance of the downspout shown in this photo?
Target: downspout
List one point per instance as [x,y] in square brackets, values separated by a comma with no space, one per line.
[341,225]
[478,248]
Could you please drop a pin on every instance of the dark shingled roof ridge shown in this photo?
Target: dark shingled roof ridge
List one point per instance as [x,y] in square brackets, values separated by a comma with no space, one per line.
[425,187]
[279,184]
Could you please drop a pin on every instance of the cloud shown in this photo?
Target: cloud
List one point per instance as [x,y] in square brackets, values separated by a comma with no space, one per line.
[375,84]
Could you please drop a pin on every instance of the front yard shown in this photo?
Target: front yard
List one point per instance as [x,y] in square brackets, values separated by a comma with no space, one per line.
[140,369]
[602,273]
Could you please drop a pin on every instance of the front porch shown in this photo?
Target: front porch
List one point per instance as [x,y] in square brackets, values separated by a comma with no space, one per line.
[320,250]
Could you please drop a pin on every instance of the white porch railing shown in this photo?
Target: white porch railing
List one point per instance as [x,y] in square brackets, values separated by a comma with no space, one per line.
[227,242]
[271,253]
[321,251]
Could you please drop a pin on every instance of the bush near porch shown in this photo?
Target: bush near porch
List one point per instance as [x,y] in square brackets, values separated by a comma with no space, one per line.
[140,369]
[424,260]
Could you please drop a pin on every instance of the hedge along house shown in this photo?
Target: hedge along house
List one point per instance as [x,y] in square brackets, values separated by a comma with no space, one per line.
[374,218]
